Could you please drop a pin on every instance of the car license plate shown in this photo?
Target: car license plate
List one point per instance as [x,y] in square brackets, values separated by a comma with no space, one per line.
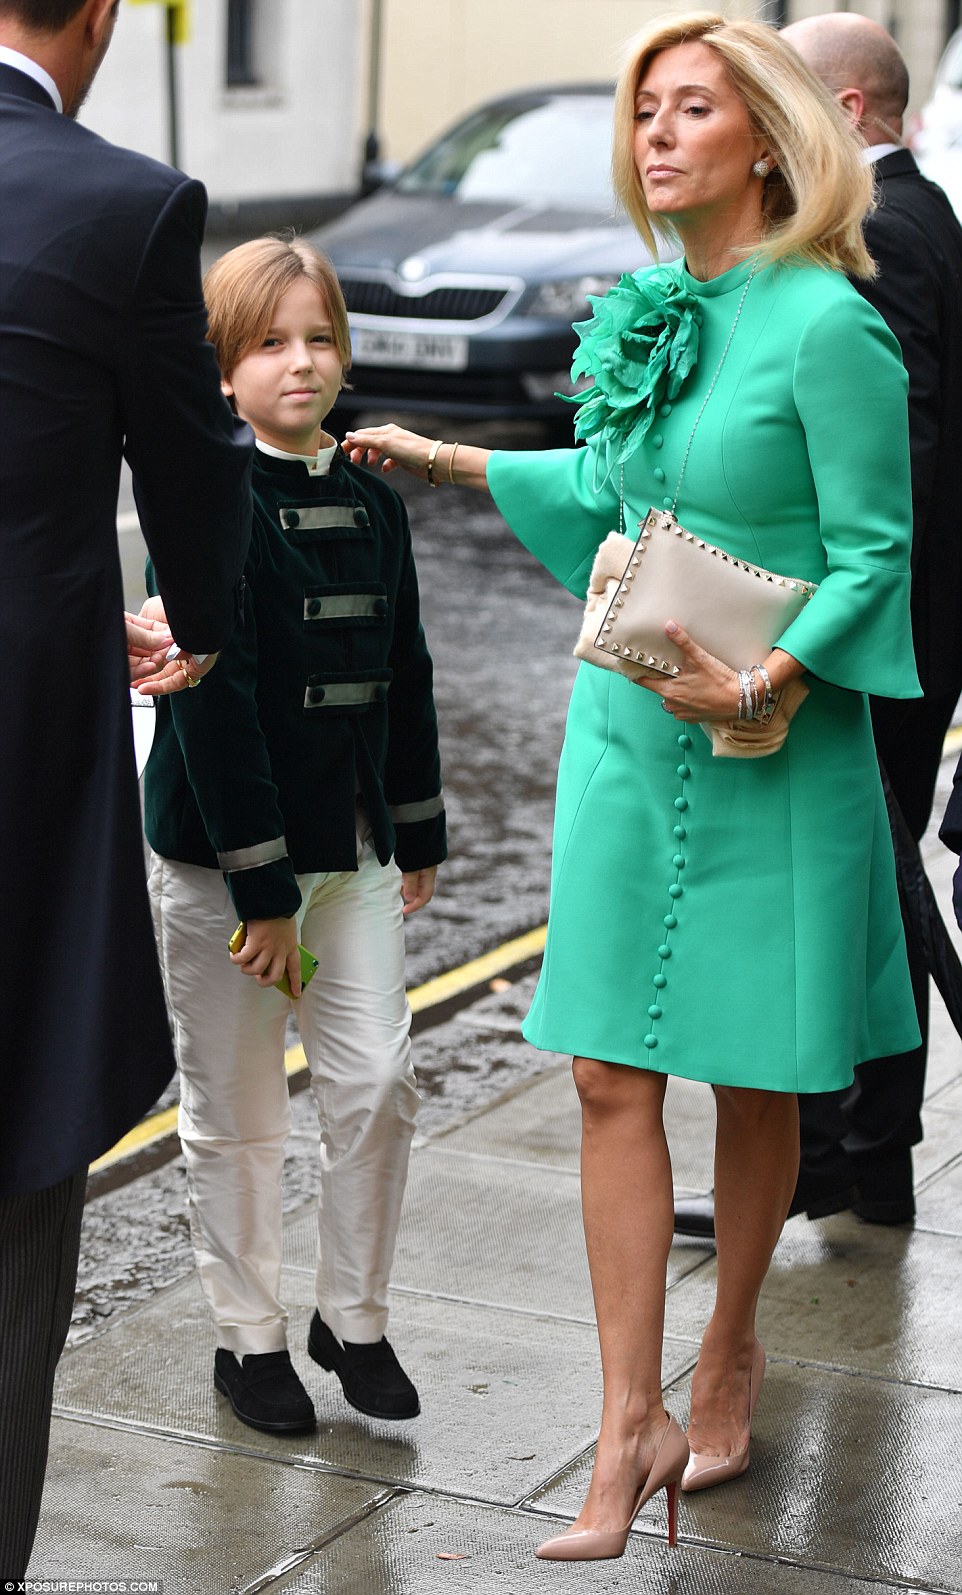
[421,351]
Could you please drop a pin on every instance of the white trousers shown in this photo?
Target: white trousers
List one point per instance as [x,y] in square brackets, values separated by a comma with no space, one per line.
[235,1114]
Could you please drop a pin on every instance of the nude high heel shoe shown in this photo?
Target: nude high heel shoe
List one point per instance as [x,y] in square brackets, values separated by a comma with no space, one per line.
[593,1545]
[703,1471]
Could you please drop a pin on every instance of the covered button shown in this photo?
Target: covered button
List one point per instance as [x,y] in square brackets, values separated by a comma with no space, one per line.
[314,606]
[361,517]
[293,519]
[315,694]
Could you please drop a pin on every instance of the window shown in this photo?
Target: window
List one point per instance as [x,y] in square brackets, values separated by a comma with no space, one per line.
[241,44]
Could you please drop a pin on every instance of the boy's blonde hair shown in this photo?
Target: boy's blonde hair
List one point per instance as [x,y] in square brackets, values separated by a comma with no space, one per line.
[243,287]
[815,201]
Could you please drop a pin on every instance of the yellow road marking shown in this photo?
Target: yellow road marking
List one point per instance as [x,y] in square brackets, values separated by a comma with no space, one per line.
[440,989]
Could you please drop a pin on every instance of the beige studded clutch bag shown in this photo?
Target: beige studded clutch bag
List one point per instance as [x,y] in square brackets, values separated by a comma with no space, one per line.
[734,610]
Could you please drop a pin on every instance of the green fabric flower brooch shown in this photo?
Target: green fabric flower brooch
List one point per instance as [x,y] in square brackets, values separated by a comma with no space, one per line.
[638,348]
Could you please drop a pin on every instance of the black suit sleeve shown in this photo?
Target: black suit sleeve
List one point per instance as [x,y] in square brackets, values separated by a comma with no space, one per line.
[189,455]
[903,294]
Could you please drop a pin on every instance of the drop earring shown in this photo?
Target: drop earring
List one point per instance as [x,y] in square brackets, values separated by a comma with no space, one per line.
[761,169]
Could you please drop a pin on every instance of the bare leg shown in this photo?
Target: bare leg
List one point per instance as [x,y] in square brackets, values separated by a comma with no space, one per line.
[626,1195]
[756,1166]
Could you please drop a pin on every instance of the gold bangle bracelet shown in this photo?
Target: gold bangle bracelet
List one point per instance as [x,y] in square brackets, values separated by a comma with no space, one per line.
[454,451]
[437,444]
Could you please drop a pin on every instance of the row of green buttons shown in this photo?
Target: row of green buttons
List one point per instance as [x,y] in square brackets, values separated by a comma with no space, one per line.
[675,891]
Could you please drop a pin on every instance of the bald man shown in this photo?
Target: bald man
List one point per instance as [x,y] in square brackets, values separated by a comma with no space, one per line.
[857,1144]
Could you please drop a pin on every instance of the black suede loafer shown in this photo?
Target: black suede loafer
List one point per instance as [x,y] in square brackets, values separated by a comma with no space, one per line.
[371,1376]
[264,1391]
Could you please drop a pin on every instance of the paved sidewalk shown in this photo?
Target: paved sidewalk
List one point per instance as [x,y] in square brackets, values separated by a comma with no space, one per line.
[855,1486]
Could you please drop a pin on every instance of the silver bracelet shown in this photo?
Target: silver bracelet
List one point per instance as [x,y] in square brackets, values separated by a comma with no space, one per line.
[771,697]
[747,696]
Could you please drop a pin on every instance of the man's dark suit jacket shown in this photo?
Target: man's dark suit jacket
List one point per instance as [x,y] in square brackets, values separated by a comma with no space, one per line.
[916,240]
[102,353]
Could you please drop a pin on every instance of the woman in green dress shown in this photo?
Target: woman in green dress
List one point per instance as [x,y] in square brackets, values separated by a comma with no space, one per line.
[730,920]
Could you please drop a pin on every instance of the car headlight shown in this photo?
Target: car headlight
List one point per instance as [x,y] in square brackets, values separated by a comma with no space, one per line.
[567,299]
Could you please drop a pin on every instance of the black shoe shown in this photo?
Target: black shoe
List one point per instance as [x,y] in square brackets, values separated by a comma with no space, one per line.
[818,1200]
[372,1378]
[264,1391]
[695,1215]
[885,1193]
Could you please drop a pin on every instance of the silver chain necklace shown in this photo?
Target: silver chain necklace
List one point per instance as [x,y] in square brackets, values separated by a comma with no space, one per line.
[711,387]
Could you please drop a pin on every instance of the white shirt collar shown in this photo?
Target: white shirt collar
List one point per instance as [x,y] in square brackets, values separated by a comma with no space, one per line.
[318,464]
[875,152]
[31,69]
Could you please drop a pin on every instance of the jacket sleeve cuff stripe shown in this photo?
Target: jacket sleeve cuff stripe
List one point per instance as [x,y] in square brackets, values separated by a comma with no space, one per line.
[253,857]
[413,813]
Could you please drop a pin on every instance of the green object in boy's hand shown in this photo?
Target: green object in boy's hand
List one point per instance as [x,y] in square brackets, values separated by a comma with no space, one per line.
[309,963]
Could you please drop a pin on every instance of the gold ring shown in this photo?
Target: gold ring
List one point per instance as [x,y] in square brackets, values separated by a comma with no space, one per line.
[192,681]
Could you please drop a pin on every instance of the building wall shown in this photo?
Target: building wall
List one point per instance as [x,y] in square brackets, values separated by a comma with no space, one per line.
[468,50]
[296,133]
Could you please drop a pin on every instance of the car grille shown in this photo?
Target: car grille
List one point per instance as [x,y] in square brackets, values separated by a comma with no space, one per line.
[365,297]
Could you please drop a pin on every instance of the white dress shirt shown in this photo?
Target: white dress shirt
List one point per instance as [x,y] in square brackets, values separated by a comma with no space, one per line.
[31,69]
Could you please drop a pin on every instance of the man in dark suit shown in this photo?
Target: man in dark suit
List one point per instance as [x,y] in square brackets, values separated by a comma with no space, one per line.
[857,1144]
[102,353]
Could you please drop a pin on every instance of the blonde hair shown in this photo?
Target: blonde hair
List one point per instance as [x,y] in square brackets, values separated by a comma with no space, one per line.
[243,287]
[814,202]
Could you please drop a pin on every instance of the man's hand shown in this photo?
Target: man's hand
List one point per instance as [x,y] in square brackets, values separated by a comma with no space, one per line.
[148,642]
[417,888]
[164,675]
[269,949]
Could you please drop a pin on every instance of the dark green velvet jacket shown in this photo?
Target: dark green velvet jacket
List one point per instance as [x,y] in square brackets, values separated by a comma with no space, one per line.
[324,692]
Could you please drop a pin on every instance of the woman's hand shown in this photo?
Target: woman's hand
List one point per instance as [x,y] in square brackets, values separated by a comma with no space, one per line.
[704,688]
[269,949]
[390,447]
[417,888]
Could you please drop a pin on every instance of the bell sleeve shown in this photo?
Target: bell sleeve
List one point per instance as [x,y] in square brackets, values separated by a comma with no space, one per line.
[548,500]
[850,390]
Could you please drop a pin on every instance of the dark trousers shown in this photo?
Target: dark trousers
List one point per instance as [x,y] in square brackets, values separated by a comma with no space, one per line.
[39,1247]
[866,1132]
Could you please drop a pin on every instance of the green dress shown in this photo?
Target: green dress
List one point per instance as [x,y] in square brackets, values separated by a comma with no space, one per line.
[733,920]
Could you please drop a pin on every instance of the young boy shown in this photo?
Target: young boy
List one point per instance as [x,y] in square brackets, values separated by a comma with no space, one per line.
[299,792]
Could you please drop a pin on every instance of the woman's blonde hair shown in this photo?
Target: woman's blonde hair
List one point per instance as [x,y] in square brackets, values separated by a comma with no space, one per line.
[814,202]
[243,287]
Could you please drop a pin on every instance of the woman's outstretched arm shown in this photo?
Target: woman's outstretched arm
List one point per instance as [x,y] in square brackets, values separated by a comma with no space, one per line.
[431,459]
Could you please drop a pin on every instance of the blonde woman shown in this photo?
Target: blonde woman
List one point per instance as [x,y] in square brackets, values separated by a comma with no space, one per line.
[727,920]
